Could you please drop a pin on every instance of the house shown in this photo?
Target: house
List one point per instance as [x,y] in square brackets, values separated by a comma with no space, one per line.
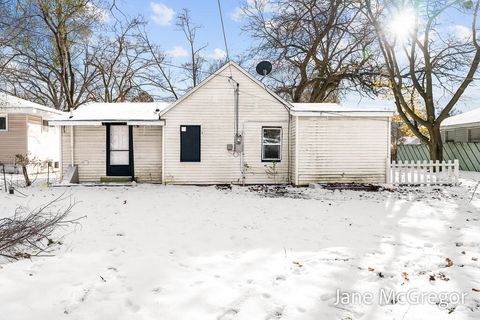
[464,127]
[228,129]
[24,130]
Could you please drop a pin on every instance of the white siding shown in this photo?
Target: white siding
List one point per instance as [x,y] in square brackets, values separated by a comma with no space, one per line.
[342,149]
[212,107]
[89,152]
[14,140]
[458,134]
[147,152]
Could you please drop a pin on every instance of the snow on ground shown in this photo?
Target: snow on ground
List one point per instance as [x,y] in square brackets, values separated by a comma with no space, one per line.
[186,252]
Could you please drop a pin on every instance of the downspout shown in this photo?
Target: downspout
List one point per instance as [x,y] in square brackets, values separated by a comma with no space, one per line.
[238,141]
[71,145]
[297,146]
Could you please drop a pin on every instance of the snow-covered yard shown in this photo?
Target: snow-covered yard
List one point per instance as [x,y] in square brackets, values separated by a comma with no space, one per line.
[185,252]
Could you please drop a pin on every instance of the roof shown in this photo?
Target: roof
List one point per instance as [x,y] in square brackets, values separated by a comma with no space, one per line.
[466,119]
[220,70]
[14,104]
[335,109]
[113,112]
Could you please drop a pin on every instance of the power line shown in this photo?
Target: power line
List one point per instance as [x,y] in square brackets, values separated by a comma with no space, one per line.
[223,29]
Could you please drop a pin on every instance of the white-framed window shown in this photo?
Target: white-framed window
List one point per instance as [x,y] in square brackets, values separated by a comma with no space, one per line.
[3,122]
[474,135]
[450,136]
[271,144]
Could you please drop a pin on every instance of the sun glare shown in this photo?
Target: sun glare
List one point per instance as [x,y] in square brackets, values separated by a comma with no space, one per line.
[402,24]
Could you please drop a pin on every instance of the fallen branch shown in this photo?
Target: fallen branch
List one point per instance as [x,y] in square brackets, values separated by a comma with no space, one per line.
[29,232]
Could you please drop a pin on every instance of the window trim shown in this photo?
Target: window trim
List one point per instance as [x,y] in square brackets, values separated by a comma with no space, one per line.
[6,121]
[199,142]
[469,135]
[446,135]
[279,159]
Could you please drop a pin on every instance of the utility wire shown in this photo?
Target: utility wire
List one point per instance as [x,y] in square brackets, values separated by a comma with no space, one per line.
[223,29]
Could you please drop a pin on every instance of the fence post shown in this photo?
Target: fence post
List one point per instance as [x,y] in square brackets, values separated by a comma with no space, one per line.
[456,168]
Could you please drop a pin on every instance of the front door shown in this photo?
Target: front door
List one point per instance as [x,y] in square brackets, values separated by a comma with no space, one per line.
[119,150]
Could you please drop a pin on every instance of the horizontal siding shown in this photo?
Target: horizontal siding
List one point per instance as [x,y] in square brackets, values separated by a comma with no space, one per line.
[89,152]
[13,141]
[147,151]
[212,107]
[341,149]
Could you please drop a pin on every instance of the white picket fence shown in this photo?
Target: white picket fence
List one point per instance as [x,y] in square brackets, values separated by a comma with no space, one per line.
[423,172]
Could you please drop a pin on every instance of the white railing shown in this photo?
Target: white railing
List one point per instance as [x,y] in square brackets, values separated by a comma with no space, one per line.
[423,172]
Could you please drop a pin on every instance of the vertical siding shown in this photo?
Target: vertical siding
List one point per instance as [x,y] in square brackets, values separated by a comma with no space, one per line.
[13,141]
[212,107]
[341,149]
[147,152]
[89,152]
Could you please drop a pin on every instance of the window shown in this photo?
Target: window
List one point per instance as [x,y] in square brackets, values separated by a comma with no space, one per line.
[271,144]
[3,123]
[449,136]
[44,125]
[190,145]
[474,135]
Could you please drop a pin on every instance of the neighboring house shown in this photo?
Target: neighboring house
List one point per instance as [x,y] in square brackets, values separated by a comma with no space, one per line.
[24,130]
[228,129]
[464,127]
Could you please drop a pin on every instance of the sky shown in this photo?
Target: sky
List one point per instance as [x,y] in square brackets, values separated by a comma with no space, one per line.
[161,15]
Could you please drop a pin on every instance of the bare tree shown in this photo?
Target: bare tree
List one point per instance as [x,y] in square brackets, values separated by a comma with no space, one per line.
[159,75]
[190,29]
[47,59]
[320,49]
[119,61]
[423,53]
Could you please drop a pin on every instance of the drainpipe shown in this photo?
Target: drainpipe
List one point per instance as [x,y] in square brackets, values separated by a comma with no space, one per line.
[237,142]
[71,145]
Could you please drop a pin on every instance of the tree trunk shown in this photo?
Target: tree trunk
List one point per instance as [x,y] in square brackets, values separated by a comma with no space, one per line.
[25,175]
[435,144]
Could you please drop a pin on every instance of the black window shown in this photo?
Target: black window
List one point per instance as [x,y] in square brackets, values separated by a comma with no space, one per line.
[190,144]
[271,144]
[3,122]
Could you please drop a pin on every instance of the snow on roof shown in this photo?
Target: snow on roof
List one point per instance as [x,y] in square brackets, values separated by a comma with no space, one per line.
[123,111]
[336,108]
[463,119]
[15,104]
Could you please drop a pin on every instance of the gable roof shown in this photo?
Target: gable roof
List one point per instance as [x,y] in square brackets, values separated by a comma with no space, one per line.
[14,104]
[466,119]
[216,73]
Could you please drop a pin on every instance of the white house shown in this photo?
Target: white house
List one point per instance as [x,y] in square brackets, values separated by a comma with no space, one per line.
[24,130]
[228,129]
[464,127]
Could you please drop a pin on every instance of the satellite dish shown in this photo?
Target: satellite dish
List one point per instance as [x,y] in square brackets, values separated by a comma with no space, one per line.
[264,68]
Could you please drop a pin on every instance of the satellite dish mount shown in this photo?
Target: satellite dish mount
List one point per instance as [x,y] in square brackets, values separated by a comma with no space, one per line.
[264,68]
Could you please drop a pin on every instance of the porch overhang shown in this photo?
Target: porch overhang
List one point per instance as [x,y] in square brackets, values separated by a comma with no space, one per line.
[70,123]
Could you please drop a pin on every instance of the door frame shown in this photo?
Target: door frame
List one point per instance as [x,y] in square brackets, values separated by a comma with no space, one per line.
[109,168]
